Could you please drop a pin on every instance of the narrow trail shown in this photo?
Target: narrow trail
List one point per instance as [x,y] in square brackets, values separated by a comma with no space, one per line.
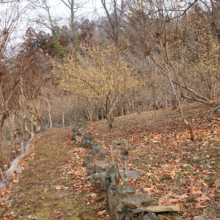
[45,189]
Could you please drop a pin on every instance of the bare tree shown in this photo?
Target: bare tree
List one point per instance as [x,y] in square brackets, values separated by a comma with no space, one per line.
[11,15]
[73,7]
[114,10]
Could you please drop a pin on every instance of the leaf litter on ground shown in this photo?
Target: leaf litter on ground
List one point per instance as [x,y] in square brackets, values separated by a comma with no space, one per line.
[174,169]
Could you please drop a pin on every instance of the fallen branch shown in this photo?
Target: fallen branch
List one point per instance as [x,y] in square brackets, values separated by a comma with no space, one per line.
[14,164]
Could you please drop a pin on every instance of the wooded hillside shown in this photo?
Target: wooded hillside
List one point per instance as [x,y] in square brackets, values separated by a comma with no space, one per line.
[60,64]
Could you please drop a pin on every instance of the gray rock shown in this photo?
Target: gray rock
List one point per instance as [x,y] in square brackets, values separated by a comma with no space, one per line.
[131,174]
[119,208]
[110,177]
[102,167]
[150,216]
[162,217]
[96,143]
[137,200]
[89,159]
[103,180]
[118,192]
[176,217]
[199,218]
[90,168]
[82,123]
[78,131]
[73,137]
[98,150]
[161,208]
[19,170]
[75,130]
[125,190]
[81,131]
[95,177]
[119,216]
[87,140]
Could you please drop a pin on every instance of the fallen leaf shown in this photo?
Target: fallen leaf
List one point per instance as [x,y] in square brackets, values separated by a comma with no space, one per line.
[101,212]
[173,200]
[203,198]
[182,197]
[148,189]
[93,195]
[58,187]
[196,192]
[172,174]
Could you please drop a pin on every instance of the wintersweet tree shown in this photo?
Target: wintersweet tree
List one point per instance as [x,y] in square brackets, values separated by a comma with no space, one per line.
[102,74]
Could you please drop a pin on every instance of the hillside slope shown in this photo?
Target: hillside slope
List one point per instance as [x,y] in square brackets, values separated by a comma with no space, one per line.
[173,169]
[160,121]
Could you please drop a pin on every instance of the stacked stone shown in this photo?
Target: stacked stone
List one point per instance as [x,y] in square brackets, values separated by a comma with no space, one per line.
[123,201]
[79,130]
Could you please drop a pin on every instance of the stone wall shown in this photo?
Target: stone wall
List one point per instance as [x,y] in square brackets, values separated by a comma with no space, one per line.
[123,201]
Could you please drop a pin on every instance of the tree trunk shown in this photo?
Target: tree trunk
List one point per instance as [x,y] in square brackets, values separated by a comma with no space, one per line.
[10,119]
[192,136]
[12,131]
[4,116]
[166,101]
[24,107]
[49,113]
[63,119]
[2,121]
[110,122]
[32,124]
[72,13]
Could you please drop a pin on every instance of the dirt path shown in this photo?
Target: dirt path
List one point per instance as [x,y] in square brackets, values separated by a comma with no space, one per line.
[47,188]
